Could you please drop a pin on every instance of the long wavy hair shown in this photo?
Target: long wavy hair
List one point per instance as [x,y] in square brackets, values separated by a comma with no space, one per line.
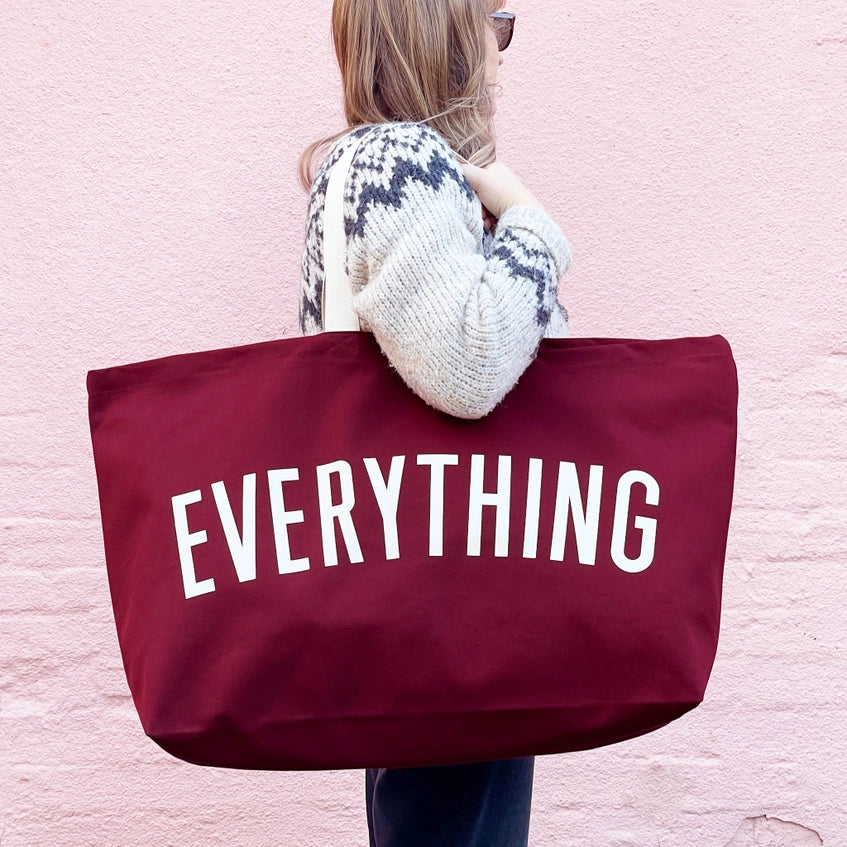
[414,60]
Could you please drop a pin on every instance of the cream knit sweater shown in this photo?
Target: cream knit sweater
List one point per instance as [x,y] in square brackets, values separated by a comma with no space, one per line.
[458,312]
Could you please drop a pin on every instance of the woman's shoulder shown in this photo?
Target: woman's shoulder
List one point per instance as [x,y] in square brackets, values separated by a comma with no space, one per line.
[402,136]
[393,157]
[385,147]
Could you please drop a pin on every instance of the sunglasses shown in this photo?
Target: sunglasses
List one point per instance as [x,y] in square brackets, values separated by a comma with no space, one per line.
[504,28]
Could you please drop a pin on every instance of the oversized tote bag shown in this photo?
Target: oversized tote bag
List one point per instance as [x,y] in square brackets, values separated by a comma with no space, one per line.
[310,568]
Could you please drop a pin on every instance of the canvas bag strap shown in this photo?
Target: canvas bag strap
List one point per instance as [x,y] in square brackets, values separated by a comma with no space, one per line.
[338,314]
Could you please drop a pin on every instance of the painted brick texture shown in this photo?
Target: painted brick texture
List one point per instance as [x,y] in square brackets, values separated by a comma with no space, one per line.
[695,156]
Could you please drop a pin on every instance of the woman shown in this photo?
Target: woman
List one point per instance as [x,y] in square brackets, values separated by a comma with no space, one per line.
[454,268]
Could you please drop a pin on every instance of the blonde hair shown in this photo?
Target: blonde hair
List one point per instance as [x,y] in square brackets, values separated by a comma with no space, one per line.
[414,60]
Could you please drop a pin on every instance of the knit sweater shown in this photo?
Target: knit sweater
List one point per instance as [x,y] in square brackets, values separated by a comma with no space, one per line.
[458,311]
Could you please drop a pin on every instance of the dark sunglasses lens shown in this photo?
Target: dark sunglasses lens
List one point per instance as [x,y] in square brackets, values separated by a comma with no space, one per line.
[503,27]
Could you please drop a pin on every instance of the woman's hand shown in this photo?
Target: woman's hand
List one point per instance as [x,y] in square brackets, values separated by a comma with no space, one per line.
[498,188]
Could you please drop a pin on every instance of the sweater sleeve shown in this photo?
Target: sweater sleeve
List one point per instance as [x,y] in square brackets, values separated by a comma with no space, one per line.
[459,327]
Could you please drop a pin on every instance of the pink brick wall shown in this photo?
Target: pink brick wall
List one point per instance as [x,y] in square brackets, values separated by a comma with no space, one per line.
[694,153]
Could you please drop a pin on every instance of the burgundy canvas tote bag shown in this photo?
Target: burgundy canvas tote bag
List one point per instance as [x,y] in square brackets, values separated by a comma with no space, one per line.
[310,568]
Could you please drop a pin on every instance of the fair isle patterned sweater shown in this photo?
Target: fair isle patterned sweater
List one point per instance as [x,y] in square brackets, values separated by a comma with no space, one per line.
[459,312]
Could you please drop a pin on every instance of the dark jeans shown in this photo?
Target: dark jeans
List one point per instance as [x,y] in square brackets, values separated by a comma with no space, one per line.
[479,805]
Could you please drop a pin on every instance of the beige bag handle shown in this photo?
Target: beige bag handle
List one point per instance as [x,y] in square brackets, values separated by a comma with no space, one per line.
[337,298]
